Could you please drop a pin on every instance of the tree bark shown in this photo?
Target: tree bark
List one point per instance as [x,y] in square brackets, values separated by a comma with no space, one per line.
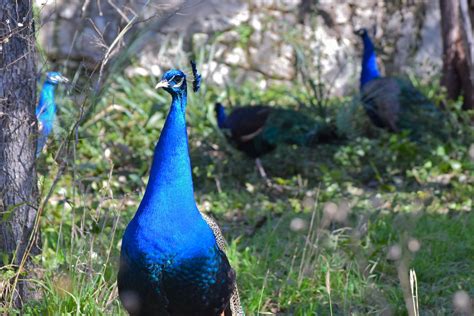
[457,59]
[18,185]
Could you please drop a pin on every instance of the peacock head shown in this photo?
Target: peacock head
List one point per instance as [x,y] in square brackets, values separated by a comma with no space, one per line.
[173,81]
[361,32]
[218,108]
[54,77]
[220,115]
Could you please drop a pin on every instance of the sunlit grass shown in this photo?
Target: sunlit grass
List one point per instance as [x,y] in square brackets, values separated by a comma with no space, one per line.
[352,203]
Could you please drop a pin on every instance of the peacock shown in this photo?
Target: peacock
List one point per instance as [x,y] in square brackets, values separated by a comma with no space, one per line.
[257,130]
[172,258]
[394,103]
[46,108]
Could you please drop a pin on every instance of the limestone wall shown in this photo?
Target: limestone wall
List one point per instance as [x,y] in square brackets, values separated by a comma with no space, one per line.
[247,39]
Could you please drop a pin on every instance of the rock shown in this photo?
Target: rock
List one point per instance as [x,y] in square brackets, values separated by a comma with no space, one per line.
[255,38]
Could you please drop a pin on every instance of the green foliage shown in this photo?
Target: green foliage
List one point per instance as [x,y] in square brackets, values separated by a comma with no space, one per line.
[245,31]
[315,243]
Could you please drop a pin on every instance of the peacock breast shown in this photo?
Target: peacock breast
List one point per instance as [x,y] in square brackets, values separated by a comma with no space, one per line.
[202,284]
[180,284]
[158,232]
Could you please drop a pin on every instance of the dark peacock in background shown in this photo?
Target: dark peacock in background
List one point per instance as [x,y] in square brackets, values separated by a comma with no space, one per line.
[46,108]
[172,258]
[393,103]
[257,130]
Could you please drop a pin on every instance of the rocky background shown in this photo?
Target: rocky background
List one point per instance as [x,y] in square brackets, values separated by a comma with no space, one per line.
[261,40]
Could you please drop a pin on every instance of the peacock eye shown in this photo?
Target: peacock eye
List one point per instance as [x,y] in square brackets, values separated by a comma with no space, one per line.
[178,81]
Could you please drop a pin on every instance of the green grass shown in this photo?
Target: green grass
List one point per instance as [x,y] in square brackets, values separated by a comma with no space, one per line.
[386,191]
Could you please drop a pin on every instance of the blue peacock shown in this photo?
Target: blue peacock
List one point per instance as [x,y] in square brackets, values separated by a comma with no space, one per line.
[172,259]
[257,130]
[393,103]
[46,108]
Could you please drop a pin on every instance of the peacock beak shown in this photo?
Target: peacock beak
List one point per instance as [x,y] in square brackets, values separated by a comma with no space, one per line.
[360,32]
[63,79]
[162,84]
[58,78]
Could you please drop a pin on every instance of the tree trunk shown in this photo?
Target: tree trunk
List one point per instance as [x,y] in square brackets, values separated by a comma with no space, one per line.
[457,59]
[18,186]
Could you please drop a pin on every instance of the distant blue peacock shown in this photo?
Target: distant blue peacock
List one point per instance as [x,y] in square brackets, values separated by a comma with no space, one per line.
[257,130]
[393,103]
[46,108]
[172,259]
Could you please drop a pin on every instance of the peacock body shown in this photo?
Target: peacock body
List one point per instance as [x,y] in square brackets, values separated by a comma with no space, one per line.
[394,103]
[171,262]
[257,130]
[46,108]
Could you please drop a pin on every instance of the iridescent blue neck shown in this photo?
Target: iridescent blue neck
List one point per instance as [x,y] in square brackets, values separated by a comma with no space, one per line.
[170,185]
[46,102]
[370,69]
[45,114]
[221,116]
[168,222]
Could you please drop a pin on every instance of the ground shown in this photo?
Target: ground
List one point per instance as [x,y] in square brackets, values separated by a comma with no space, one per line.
[337,232]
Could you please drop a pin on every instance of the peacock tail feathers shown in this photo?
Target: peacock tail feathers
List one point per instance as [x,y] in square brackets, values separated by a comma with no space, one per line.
[394,103]
[352,120]
[289,127]
[235,305]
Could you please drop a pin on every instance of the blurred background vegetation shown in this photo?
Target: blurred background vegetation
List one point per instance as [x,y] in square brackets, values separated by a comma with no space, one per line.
[345,223]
